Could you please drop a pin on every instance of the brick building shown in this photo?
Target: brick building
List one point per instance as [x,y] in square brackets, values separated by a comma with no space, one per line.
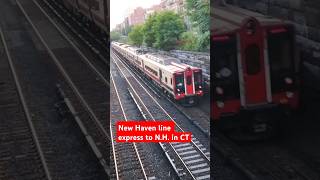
[173,5]
[153,9]
[137,16]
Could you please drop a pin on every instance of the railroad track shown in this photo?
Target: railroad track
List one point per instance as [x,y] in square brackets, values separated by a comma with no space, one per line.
[79,30]
[191,160]
[80,74]
[22,146]
[127,157]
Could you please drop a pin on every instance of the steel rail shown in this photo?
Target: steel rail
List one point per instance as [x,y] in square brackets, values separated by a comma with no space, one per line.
[134,144]
[25,108]
[86,60]
[64,73]
[69,81]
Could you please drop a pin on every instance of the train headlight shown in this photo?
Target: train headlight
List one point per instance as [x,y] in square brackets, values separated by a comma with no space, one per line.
[219,90]
[178,90]
[178,94]
[289,94]
[200,87]
[220,104]
[288,80]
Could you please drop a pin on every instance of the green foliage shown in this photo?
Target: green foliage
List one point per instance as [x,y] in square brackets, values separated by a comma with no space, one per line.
[199,13]
[125,31]
[203,43]
[162,30]
[188,41]
[136,35]
[115,36]
[168,28]
[149,31]
[193,41]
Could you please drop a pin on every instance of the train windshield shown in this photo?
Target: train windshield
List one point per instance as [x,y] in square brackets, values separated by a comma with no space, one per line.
[179,79]
[224,66]
[280,46]
[281,58]
[224,58]
[198,80]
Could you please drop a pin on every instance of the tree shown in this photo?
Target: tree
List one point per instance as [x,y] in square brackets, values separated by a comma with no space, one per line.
[136,35]
[126,30]
[203,43]
[115,36]
[167,28]
[188,41]
[148,30]
[199,13]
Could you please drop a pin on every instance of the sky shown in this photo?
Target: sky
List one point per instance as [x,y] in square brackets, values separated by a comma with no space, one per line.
[120,8]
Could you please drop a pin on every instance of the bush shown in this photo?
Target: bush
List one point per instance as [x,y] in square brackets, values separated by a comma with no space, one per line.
[136,35]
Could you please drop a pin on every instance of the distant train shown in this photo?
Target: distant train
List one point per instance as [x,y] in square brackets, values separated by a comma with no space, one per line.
[254,64]
[182,82]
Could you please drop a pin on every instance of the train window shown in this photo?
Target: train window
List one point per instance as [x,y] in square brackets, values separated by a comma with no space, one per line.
[281,56]
[224,67]
[179,79]
[189,80]
[197,80]
[197,76]
[166,79]
[171,81]
[280,48]
[151,70]
[252,59]
[224,58]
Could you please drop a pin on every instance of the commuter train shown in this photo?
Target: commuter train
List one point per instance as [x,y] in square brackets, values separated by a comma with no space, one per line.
[182,82]
[254,63]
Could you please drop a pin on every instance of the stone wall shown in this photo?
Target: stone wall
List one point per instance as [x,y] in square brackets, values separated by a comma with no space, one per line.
[200,60]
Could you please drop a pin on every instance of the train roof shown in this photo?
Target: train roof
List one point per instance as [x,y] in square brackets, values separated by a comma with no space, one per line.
[162,59]
[227,18]
[168,63]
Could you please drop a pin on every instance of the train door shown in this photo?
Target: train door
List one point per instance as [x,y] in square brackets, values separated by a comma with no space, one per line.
[253,63]
[189,81]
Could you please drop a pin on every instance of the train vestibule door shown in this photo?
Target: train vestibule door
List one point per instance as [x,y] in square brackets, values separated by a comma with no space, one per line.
[189,81]
[253,64]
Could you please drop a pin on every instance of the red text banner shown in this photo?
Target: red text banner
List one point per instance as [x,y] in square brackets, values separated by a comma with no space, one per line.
[149,131]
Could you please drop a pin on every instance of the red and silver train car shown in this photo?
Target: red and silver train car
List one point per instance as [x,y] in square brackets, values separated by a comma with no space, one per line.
[254,62]
[182,82]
